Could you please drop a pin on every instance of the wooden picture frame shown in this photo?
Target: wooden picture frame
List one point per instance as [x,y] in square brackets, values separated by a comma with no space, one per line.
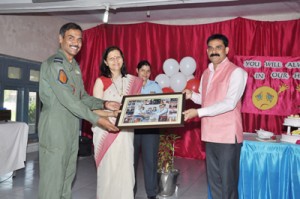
[152,111]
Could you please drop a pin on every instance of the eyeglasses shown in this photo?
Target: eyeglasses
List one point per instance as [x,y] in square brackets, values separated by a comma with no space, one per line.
[112,59]
[217,48]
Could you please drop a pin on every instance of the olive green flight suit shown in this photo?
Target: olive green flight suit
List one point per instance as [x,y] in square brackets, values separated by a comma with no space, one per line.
[65,101]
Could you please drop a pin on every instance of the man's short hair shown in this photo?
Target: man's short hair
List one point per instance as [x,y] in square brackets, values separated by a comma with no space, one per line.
[220,37]
[69,26]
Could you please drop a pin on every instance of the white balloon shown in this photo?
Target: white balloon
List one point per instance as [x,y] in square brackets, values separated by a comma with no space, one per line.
[187,65]
[163,80]
[178,82]
[190,77]
[170,67]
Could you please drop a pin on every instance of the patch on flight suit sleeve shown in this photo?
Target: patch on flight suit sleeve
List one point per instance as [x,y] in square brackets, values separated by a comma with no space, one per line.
[58,60]
[62,77]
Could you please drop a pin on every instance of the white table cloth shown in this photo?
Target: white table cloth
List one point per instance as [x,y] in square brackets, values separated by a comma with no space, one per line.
[13,144]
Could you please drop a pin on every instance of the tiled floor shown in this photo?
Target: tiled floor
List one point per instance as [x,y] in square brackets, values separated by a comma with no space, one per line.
[191,181]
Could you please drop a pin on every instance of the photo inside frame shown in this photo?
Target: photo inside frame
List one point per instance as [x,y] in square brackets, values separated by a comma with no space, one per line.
[151,110]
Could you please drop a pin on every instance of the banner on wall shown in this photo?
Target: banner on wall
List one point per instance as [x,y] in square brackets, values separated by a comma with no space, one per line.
[273,85]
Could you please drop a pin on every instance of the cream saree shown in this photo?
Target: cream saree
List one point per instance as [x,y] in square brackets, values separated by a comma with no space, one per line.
[114,151]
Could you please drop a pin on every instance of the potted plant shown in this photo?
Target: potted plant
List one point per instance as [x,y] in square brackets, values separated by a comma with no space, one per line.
[167,174]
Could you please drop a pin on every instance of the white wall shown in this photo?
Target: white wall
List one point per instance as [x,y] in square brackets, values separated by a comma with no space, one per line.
[277,17]
[36,38]
[29,37]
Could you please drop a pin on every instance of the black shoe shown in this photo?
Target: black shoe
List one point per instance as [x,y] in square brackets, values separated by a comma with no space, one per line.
[152,197]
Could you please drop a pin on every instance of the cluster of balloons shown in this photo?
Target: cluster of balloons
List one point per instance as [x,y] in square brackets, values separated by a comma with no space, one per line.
[178,76]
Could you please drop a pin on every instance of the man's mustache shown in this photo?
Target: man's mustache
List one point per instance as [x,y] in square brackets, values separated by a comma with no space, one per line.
[216,54]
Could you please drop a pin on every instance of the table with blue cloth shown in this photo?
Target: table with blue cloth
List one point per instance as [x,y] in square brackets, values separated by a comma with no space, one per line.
[269,170]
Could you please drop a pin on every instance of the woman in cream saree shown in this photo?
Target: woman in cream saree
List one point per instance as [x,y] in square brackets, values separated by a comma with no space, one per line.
[114,151]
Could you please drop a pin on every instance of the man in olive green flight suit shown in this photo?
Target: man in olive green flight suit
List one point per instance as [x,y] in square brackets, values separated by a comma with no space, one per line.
[64,102]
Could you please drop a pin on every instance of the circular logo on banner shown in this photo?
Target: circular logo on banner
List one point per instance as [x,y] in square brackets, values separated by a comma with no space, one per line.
[264,98]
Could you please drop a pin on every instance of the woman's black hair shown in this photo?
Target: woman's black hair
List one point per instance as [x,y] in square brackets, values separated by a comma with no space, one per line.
[143,63]
[105,71]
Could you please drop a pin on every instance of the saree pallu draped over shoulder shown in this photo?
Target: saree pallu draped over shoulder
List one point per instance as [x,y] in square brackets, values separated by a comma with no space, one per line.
[114,151]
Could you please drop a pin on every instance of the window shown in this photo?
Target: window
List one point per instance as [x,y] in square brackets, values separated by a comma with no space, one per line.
[19,82]
[34,75]
[33,114]
[14,72]
[10,102]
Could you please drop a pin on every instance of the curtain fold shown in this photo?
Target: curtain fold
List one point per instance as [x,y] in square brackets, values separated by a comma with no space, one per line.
[156,43]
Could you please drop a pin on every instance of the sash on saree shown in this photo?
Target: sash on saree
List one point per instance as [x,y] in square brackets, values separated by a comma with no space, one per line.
[134,88]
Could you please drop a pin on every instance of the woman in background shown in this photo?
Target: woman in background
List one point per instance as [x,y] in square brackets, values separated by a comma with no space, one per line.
[146,141]
[114,151]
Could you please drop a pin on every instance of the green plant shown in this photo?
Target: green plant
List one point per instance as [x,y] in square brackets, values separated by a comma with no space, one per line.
[31,113]
[166,152]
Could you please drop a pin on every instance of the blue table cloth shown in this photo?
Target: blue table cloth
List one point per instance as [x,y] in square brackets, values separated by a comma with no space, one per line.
[269,171]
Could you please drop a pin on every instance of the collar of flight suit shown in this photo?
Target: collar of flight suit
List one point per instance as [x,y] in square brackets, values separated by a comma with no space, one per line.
[67,64]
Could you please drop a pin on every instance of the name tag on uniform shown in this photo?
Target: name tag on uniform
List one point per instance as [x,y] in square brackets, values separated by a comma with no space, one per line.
[77,72]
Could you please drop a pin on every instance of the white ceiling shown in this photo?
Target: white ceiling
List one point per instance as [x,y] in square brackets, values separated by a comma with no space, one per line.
[122,11]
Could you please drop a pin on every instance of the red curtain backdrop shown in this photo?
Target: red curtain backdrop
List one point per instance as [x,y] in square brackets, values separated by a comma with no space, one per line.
[156,43]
